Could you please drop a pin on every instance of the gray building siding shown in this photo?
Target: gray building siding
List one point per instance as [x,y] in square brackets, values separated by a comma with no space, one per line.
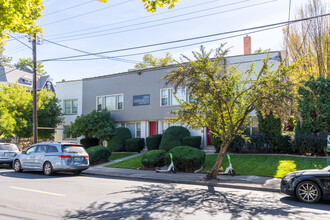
[129,84]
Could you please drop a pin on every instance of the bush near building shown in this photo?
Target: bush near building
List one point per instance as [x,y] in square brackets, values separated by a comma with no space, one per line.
[98,154]
[153,158]
[173,137]
[310,144]
[134,144]
[193,141]
[186,158]
[89,142]
[117,143]
[153,141]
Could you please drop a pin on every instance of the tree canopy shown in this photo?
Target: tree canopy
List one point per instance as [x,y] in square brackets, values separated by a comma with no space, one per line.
[4,60]
[308,41]
[151,61]
[222,97]
[23,63]
[16,112]
[97,124]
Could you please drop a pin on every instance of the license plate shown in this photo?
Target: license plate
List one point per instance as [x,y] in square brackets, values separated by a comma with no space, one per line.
[77,159]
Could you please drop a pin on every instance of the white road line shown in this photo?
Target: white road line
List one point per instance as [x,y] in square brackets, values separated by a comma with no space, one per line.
[37,191]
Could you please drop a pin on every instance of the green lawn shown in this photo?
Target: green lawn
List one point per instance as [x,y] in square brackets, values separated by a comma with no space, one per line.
[116,156]
[258,165]
[270,166]
[132,163]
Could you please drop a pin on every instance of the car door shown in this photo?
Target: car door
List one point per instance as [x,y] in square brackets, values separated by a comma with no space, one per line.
[27,157]
[39,157]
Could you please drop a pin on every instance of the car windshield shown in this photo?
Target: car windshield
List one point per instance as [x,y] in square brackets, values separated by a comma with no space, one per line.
[73,149]
[8,147]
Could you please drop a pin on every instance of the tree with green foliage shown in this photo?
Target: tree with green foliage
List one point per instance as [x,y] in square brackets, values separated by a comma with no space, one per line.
[4,60]
[270,126]
[151,61]
[23,63]
[314,106]
[223,97]
[16,112]
[97,124]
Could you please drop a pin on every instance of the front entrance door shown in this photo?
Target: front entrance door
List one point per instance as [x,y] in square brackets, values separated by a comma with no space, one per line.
[153,125]
[209,139]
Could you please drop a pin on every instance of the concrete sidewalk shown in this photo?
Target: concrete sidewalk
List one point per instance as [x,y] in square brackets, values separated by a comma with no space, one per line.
[240,182]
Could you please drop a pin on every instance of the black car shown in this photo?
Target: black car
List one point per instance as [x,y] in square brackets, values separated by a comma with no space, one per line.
[307,185]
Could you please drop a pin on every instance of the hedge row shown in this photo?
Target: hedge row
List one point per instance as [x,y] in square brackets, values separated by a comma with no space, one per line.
[98,154]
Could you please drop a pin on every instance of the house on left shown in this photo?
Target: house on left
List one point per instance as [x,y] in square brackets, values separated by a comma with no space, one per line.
[25,78]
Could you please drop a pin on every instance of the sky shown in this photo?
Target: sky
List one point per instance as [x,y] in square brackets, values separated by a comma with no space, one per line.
[118,25]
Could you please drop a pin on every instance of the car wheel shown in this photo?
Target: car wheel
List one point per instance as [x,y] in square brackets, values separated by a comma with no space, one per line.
[308,192]
[48,169]
[17,166]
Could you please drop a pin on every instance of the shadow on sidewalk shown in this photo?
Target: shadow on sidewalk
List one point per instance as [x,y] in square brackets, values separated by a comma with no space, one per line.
[173,202]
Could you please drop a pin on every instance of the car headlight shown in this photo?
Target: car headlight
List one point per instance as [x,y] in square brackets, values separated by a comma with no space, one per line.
[287,178]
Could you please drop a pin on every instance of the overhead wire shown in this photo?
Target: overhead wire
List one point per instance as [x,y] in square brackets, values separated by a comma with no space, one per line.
[67,38]
[193,38]
[139,18]
[83,14]
[65,9]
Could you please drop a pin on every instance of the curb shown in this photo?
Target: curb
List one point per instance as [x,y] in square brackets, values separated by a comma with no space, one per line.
[200,183]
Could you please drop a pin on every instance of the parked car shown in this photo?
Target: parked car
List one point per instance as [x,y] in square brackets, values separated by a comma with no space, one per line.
[53,157]
[7,153]
[307,185]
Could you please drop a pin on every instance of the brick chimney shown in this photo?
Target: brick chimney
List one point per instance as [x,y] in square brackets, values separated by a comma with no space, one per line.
[247,45]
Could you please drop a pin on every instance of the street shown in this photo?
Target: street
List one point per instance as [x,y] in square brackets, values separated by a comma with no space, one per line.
[31,195]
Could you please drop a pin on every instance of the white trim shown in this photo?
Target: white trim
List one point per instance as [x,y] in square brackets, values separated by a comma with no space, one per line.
[116,101]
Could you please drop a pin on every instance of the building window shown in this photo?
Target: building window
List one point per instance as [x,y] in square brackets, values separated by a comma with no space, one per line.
[168,98]
[70,106]
[110,102]
[135,128]
[138,130]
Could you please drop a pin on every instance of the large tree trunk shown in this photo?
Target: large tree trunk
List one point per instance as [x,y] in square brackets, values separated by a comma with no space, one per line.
[213,174]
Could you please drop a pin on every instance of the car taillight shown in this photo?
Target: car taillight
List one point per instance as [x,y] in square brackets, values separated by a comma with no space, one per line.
[64,156]
[87,157]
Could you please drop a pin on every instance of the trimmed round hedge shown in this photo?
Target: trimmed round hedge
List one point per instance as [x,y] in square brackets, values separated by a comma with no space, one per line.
[134,144]
[98,154]
[173,137]
[186,158]
[153,158]
[117,143]
[193,141]
[89,142]
[153,141]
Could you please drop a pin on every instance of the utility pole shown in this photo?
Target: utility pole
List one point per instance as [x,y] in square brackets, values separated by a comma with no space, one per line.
[34,89]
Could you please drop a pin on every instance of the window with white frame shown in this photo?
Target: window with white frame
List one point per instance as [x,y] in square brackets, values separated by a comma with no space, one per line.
[110,102]
[135,128]
[70,106]
[167,97]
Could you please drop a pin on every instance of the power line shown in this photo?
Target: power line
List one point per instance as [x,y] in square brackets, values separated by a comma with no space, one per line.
[20,41]
[65,9]
[156,25]
[76,16]
[89,53]
[170,48]
[139,18]
[193,38]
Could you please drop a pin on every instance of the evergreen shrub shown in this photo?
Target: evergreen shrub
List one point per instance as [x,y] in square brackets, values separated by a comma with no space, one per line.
[98,154]
[173,137]
[89,142]
[153,158]
[134,144]
[153,141]
[193,141]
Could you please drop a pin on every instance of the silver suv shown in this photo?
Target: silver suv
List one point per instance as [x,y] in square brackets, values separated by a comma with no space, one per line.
[7,153]
[53,157]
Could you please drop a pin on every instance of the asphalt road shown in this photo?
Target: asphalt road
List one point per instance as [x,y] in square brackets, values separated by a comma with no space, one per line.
[31,195]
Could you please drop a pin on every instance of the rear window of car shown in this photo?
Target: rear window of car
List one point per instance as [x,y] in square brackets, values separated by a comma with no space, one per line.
[73,149]
[9,147]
